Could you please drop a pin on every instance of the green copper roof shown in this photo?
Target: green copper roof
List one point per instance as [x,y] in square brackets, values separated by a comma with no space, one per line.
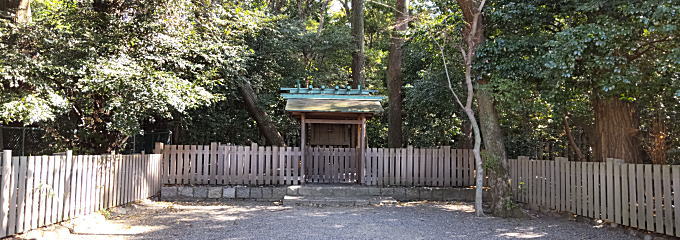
[330,96]
[333,105]
[336,99]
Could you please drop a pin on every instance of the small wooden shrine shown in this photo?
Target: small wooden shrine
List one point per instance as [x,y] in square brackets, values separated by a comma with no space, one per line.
[333,117]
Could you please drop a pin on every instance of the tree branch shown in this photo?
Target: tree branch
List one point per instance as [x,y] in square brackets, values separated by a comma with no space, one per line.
[448,78]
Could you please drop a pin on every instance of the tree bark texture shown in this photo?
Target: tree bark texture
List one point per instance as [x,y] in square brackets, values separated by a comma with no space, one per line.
[19,10]
[358,58]
[617,125]
[394,77]
[264,122]
[498,173]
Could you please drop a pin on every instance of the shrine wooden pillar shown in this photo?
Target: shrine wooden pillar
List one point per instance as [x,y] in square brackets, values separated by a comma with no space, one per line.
[361,149]
[303,146]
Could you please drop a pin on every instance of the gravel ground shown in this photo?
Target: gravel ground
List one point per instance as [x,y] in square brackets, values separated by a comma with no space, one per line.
[257,220]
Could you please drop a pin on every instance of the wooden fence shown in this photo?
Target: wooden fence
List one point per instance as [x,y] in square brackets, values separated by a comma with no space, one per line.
[257,165]
[642,196]
[231,165]
[36,191]
[331,165]
[410,166]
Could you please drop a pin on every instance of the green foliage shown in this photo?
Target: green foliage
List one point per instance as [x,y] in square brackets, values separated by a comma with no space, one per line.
[91,79]
[549,59]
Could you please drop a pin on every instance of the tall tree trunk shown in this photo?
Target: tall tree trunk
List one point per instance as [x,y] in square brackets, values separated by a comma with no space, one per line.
[19,10]
[499,180]
[264,122]
[617,125]
[358,58]
[322,17]
[394,78]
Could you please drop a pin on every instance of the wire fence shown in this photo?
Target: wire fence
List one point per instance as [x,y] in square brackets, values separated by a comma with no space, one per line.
[145,142]
[25,141]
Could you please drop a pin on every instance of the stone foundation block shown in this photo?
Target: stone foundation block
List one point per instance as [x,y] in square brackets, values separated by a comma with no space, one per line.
[387,192]
[374,191]
[201,192]
[256,192]
[242,192]
[187,192]
[229,192]
[169,192]
[267,193]
[214,192]
[425,194]
[412,194]
[278,192]
[438,193]
[292,190]
[399,193]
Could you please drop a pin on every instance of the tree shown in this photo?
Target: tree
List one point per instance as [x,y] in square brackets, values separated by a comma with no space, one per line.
[495,157]
[264,122]
[19,11]
[358,56]
[471,38]
[394,76]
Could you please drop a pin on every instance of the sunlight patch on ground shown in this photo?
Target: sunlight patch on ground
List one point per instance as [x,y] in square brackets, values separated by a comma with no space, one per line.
[457,207]
[520,232]
[522,235]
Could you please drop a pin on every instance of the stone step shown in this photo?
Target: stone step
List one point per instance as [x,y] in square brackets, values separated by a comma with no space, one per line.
[322,190]
[319,201]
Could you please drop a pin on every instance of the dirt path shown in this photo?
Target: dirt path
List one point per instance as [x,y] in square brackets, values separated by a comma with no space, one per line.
[257,220]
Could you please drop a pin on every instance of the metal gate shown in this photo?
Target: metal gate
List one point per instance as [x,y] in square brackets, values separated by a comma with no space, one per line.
[331,165]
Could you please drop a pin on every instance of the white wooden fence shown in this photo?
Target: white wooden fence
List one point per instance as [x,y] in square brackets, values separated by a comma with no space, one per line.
[642,196]
[36,191]
[257,165]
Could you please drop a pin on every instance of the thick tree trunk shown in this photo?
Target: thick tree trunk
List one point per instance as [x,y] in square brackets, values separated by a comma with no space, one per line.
[617,125]
[358,58]
[264,122]
[394,79]
[19,10]
[498,172]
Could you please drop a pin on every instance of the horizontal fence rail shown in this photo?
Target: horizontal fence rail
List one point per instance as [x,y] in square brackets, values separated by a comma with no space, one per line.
[217,164]
[36,191]
[642,196]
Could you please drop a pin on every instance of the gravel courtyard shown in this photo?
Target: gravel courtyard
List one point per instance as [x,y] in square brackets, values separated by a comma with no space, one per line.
[257,220]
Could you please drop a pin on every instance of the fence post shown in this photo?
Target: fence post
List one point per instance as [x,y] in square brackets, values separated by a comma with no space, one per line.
[561,184]
[614,190]
[6,194]
[158,149]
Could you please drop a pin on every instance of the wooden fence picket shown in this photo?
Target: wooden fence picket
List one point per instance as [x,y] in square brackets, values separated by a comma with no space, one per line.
[643,196]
